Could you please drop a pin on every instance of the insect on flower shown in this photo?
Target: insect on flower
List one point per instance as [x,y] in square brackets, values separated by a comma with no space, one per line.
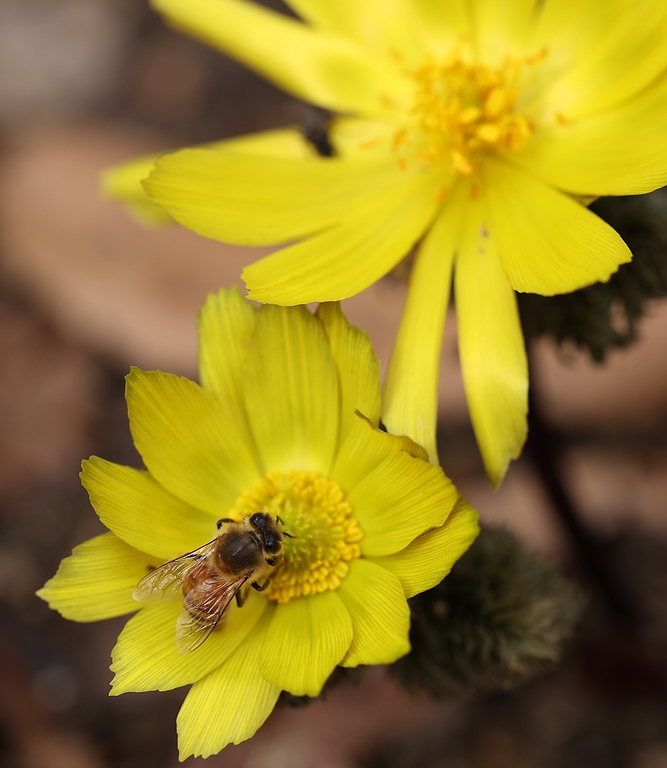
[244,554]
[283,435]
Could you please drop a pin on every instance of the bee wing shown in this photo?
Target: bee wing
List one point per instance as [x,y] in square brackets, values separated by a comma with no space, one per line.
[192,630]
[162,584]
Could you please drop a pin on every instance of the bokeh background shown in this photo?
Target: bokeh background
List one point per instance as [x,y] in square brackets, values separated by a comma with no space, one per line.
[86,291]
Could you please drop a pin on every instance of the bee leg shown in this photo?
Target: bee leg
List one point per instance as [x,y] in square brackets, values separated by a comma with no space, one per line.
[223,520]
[261,587]
[289,535]
[242,594]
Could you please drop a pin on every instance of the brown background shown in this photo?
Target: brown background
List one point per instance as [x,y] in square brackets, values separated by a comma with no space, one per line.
[85,291]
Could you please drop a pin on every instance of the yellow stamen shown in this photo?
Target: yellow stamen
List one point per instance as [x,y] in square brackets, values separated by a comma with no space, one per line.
[462,110]
[495,103]
[489,133]
[461,163]
[470,115]
[325,534]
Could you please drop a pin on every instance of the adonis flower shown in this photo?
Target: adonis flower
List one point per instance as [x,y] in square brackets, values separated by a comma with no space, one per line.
[476,129]
[284,423]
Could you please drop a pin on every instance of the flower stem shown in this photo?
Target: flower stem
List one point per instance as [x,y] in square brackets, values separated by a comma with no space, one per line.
[545,448]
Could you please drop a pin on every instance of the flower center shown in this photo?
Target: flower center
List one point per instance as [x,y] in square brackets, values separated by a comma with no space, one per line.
[462,110]
[325,535]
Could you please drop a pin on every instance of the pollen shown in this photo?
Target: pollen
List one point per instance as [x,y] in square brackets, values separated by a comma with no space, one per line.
[462,110]
[323,536]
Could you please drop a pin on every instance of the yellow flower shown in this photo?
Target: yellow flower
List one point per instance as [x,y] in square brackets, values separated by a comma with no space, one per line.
[478,128]
[276,427]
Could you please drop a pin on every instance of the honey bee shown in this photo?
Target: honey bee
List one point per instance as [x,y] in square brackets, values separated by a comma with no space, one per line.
[244,554]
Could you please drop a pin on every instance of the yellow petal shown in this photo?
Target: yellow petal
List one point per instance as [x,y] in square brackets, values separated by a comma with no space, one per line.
[364,449]
[123,182]
[191,443]
[226,323]
[445,23]
[410,394]
[613,51]
[230,703]
[410,447]
[361,139]
[547,242]
[357,365]
[255,200]
[389,26]
[307,638]
[278,142]
[429,558]
[622,151]
[97,580]
[501,26]
[291,391]
[491,348]
[343,260]
[145,657]
[380,615]
[140,512]
[327,70]
[398,500]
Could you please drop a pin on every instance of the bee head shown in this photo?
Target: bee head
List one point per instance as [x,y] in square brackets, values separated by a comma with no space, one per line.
[269,532]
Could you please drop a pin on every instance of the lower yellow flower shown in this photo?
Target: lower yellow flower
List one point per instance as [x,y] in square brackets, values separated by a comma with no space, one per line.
[286,424]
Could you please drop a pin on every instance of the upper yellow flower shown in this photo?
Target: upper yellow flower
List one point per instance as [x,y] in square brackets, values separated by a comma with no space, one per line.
[479,127]
[275,427]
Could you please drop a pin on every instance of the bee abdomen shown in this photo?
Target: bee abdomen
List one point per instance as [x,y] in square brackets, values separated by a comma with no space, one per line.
[197,602]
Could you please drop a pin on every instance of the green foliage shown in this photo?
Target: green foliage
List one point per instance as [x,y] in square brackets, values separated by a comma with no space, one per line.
[499,617]
[604,315]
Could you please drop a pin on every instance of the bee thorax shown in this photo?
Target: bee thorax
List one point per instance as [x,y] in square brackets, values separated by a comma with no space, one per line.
[238,552]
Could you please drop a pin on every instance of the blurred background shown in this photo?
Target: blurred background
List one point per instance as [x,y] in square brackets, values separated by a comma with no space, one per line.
[86,291]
